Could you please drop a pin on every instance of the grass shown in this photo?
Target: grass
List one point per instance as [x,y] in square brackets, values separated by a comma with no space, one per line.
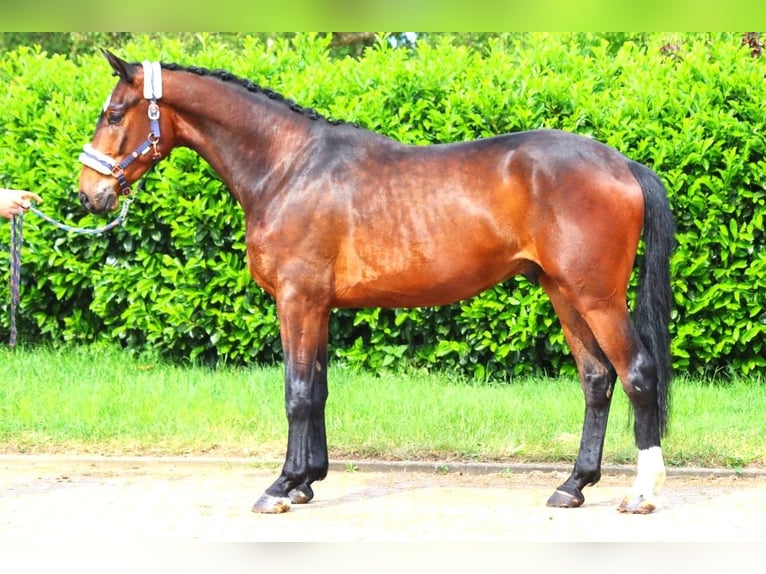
[99,400]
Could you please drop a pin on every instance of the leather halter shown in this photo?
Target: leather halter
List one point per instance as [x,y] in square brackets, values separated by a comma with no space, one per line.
[105,164]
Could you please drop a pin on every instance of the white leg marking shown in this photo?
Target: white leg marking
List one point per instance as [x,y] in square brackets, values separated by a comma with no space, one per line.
[650,476]
[650,472]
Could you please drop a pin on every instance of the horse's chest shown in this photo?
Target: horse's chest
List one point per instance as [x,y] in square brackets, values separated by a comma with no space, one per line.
[276,259]
[261,263]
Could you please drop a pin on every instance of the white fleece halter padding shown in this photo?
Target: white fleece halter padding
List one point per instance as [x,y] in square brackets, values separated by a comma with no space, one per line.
[152,80]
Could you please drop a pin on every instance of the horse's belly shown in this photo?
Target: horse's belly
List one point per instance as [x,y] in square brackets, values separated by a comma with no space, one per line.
[439,281]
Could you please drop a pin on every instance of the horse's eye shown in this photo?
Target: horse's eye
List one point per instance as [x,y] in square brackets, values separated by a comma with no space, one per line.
[113,117]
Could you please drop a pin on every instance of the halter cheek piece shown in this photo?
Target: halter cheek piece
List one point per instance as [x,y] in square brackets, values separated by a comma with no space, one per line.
[105,164]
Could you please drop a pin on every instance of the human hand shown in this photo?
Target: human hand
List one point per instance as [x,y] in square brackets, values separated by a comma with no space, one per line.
[16,201]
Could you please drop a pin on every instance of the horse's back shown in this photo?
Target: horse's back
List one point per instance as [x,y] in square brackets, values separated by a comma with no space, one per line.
[542,168]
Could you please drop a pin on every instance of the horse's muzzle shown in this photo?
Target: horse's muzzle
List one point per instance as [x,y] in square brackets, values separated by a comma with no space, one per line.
[101,202]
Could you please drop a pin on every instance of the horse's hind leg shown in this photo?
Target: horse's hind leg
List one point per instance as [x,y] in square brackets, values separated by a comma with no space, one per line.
[597,377]
[618,339]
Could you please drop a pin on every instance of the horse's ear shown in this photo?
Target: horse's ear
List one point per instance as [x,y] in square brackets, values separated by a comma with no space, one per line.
[121,68]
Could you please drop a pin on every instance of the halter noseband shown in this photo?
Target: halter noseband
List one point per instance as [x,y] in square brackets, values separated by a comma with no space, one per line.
[105,164]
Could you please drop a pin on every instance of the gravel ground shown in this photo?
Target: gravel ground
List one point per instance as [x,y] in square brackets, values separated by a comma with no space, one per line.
[83,514]
[81,499]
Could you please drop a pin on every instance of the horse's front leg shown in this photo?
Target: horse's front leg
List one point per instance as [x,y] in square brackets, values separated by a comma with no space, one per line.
[304,340]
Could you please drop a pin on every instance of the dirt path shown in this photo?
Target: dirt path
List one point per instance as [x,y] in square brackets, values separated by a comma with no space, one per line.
[70,499]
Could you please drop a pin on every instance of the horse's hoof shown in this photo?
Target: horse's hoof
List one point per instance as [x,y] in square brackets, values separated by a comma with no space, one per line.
[268,504]
[636,505]
[301,494]
[562,499]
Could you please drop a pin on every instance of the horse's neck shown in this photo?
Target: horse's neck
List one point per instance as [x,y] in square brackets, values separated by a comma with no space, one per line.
[246,138]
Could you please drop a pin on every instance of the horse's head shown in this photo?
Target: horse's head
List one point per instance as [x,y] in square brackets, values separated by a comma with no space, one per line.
[131,136]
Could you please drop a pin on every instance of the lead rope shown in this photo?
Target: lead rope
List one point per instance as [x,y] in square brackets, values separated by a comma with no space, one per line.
[17,232]
[17,235]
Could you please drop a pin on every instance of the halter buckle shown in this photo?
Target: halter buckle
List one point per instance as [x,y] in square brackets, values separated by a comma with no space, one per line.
[154,140]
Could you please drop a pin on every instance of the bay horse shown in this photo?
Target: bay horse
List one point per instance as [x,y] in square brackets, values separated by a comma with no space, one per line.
[337,216]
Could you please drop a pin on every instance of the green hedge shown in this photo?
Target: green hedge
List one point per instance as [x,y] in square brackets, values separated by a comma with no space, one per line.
[174,278]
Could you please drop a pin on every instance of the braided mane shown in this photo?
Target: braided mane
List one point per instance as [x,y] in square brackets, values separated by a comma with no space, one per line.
[252,87]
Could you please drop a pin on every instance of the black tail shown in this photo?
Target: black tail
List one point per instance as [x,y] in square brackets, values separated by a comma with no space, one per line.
[654,299]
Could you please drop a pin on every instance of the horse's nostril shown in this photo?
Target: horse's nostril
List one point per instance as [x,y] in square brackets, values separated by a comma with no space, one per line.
[84,200]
